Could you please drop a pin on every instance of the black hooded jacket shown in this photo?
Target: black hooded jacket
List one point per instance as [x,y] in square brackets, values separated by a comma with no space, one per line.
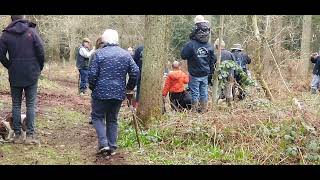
[26,53]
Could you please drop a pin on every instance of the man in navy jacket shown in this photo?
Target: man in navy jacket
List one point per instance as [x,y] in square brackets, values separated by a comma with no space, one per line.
[25,63]
[200,58]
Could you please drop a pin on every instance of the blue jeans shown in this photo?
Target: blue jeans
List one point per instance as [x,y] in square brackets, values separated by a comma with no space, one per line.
[199,88]
[84,73]
[104,117]
[315,82]
[31,95]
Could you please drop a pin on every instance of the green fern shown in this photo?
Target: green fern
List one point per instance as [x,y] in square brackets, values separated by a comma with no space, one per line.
[224,71]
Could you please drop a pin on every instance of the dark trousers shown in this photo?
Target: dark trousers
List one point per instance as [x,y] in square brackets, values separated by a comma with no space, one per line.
[138,90]
[31,94]
[242,93]
[104,117]
[83,79]
[210,83]
[180,100]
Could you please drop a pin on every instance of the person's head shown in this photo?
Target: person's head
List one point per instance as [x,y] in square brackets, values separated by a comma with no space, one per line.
[86,42]
[110,36]
[200,19]
[201,29]
[216,44]
[236,47]
[176,65]
[99,43]
[17,17]
[130,50]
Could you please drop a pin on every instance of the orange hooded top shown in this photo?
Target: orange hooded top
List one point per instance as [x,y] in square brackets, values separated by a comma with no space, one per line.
[175,82]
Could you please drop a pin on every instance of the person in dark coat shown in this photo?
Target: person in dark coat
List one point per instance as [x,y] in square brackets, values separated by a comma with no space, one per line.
[225,56]
[26,60]
[242,59]
[200,58]
[131,51]
[107,80]
[83,58]
[138,56]
[315,59]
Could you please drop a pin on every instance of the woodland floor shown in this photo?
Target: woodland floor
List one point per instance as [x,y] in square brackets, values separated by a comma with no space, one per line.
[254,131]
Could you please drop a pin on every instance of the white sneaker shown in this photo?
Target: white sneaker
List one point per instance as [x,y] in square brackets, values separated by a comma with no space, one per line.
[103,150]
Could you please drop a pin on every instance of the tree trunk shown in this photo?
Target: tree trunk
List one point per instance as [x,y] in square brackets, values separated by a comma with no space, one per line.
[267,60]
[305,45]
[278,39]
[215,88]
[154,58]
[259,55]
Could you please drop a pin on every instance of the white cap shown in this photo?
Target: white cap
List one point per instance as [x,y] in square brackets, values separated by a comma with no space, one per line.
[199,19]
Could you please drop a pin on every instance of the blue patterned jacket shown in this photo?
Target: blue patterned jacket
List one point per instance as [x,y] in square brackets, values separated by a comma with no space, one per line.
[108,70]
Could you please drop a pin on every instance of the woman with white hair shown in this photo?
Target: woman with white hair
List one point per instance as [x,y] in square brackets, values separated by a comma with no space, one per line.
[107,80]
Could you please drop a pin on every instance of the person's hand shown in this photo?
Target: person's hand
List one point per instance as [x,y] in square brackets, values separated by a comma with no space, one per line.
[129,94]
[164,98]
[129,91]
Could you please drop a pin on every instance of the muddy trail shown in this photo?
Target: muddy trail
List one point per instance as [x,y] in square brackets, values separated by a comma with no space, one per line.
[81,136]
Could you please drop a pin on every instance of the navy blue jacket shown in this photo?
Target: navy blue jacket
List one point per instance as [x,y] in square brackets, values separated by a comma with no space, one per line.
[226,55]
[242,59]
[107,73]
[138,55]
[316,62]
[26,53]
[200,58]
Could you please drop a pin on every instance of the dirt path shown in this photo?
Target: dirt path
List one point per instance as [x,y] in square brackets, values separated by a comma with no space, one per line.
[61,137]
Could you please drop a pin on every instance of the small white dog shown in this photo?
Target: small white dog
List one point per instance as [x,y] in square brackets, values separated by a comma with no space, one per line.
[6,127]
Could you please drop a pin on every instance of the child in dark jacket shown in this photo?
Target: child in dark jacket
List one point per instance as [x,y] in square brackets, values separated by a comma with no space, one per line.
[174,84]
[315,59]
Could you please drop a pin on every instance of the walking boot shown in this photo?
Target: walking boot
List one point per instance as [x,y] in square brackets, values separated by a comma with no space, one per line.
[195,106]
[203,106]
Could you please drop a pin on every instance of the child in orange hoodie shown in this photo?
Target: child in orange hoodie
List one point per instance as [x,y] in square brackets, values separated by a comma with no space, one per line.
[174,84]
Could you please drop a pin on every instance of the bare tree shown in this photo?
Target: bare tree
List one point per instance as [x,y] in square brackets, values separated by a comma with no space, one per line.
[215,95]
[259,56]
[305,45]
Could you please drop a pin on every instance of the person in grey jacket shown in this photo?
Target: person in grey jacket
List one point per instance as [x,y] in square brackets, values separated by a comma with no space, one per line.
[83,56]
[315,59]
